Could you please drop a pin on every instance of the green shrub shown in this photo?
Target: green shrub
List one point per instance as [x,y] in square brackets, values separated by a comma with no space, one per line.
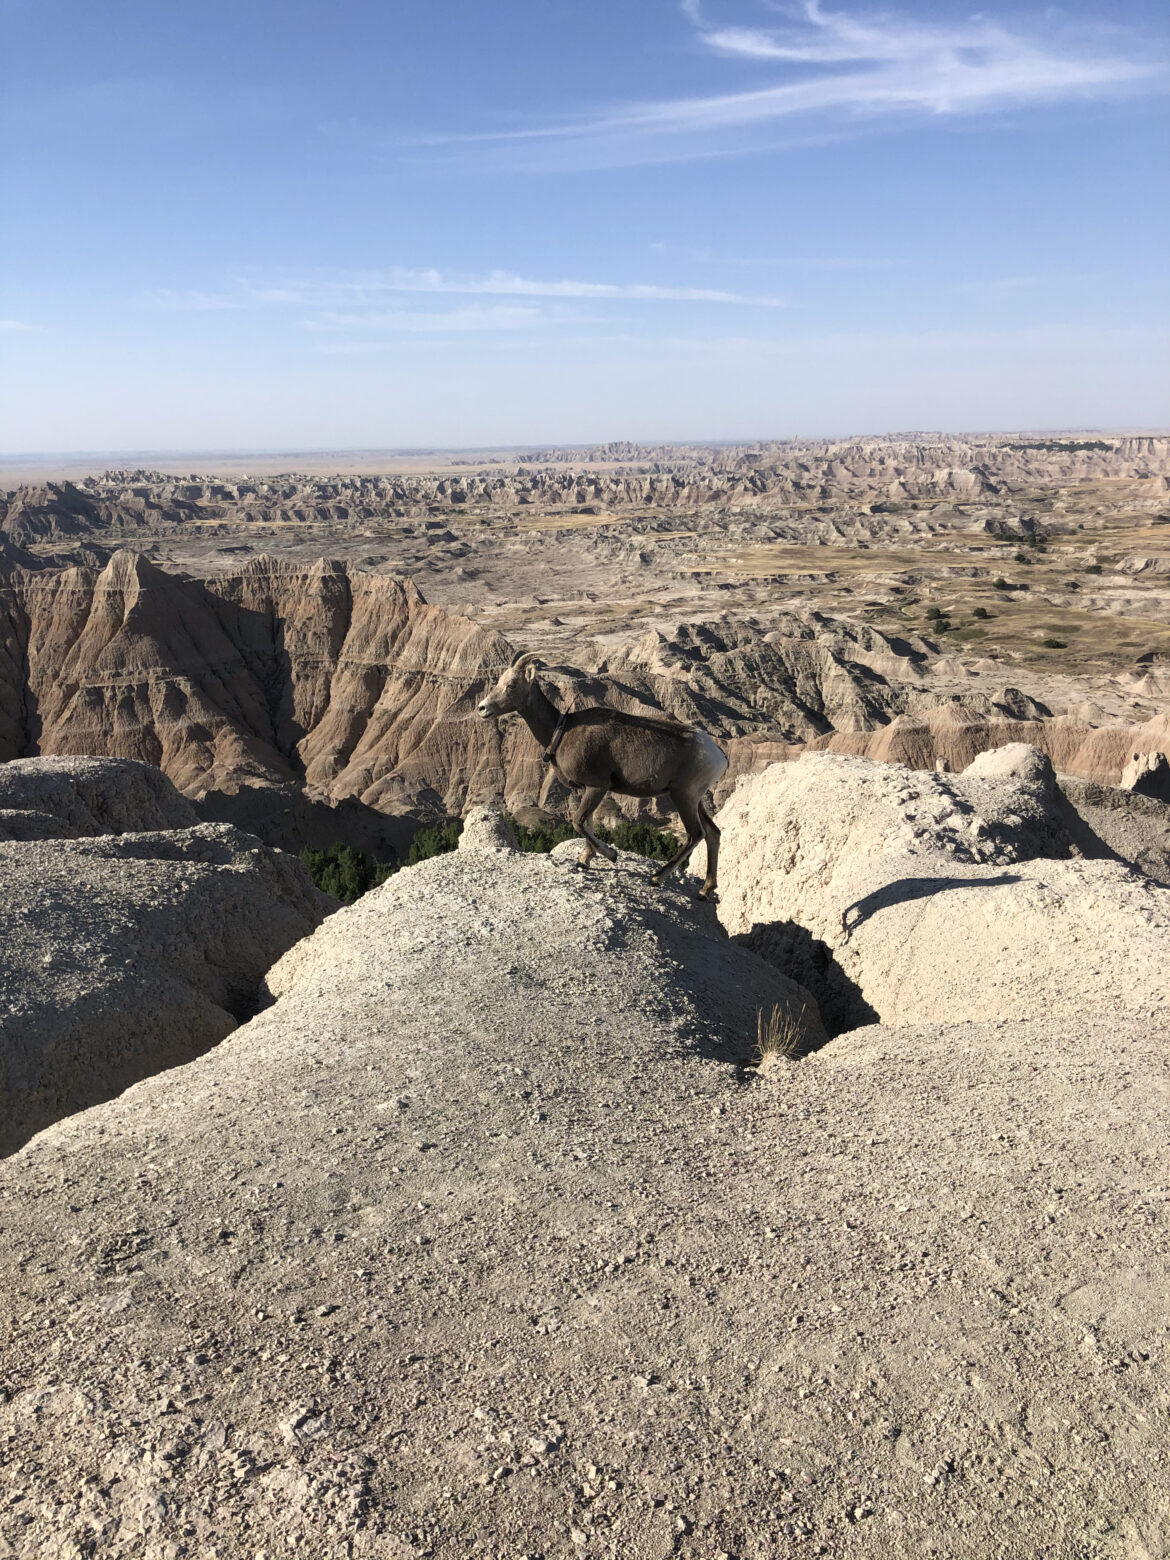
[434,842]
[1093,568]
[1023,558]
[1055,644]
[641,838]
[1067,446]
[542,839]
[344,872]
[934,612]
[1000,584]
[981,612]
[347,873]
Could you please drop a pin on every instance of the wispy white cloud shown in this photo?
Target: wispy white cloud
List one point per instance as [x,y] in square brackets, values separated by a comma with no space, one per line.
[372,288]
[848,67]
[817,37]
[472,317]
[1049,280]
[15,325]
[699,255]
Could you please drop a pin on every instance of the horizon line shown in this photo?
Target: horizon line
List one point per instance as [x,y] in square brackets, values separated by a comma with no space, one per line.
[238,452]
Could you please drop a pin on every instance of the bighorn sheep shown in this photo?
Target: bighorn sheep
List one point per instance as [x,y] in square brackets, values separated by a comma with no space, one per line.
[601,750]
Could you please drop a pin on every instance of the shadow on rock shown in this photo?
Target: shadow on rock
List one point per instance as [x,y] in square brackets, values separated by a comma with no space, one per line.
[805,958]
[905,890]
[285,818]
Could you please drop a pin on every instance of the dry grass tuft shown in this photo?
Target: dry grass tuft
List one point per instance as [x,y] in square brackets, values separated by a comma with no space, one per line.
[779,1037]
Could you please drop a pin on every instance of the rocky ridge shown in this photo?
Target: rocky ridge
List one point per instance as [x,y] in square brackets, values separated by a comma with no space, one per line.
[929,898]
[952,734]
[864,471]
[351,686]
[508,1252]
[123,955]
[72,798]
[347,689]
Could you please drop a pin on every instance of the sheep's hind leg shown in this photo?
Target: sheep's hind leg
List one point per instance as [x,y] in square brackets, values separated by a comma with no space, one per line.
[586,807]
[711,835]
[688,811]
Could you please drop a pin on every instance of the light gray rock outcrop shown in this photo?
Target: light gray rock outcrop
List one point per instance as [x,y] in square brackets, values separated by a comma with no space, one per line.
[472,1244]
[123,956]
[1014,761]
[1124,825]
[1148,774]
[922,898]
[68,798]
[487,828]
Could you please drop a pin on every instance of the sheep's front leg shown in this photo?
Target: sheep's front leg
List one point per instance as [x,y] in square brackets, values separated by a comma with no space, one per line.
[586,807]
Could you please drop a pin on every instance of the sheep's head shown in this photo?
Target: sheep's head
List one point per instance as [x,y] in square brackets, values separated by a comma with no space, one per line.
[511,692]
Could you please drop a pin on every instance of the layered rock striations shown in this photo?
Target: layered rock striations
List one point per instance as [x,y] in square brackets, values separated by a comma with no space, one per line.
[859,471]
[953,733]
[339,686]
[350,685]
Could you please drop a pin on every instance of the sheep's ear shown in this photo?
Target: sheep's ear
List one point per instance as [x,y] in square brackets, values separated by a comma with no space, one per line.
[532,670]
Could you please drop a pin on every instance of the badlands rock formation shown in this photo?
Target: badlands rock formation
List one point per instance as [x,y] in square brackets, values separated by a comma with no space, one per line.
[352,686]
[954,734]
[865,471]
[57,798]
[931,898]
[1148,773]
[481,1242]
[123,956]
[344,687]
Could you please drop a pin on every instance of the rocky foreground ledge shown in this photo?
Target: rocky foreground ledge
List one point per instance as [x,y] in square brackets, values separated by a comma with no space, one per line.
[132,937]
[483,1241]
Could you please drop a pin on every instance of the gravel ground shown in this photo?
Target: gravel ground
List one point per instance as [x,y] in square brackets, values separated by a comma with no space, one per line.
[482,1241]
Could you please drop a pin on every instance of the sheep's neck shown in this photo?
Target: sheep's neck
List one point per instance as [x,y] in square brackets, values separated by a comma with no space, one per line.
[540,715]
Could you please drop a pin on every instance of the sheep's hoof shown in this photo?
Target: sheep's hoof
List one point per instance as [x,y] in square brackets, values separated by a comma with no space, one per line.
[708,892]
[582,866]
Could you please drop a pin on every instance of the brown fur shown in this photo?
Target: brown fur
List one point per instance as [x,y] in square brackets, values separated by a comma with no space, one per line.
[603,750]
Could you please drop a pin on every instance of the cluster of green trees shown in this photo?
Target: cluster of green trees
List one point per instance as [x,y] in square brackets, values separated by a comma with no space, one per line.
[347,873]
[641,838]
[1067,446]
[344,872]
[939,618]
[1034,539]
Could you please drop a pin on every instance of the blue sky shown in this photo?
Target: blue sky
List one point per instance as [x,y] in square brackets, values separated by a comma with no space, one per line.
[398,223]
